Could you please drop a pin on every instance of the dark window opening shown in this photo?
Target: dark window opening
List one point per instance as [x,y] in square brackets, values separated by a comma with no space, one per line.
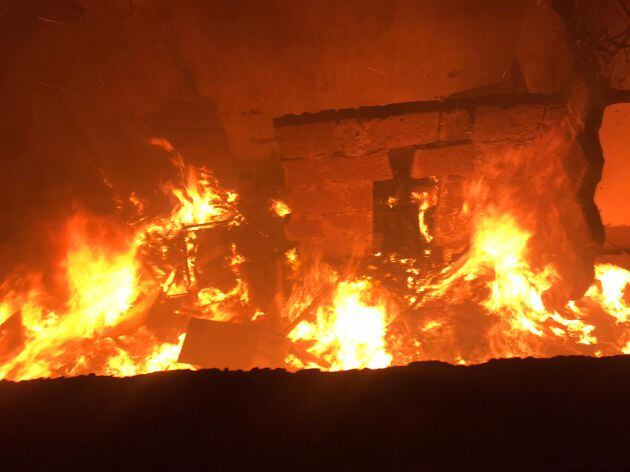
[403,209]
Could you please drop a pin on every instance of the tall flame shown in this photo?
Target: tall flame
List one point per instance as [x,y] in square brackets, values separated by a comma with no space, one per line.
[102,285]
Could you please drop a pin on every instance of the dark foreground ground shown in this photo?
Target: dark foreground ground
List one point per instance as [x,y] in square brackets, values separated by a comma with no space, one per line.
[555,414]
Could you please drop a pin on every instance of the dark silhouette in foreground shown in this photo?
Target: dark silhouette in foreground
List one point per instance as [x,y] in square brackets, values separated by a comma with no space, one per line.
[568,413]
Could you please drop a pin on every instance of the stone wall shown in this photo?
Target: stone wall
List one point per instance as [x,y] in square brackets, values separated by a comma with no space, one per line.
[331,159]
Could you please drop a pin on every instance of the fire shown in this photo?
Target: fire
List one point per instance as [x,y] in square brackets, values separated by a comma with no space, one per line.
[279,208]
[500,246]
[614,282]
[499,256]
[292,259]
[98,329]
[110,284]
[92,315]
[198,203]
[102,285]
[163,356]
[425,200]
[348,334]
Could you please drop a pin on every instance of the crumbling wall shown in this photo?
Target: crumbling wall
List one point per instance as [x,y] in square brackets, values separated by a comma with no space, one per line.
[331,159]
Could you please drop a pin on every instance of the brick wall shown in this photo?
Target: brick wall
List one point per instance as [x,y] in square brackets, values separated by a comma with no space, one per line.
[331,159]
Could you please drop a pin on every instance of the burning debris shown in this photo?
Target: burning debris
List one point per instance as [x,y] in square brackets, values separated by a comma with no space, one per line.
[141,296]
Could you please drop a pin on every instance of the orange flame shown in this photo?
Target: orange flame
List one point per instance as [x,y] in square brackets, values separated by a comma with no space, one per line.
[103,287]
[425,200]
[279,208]
[614,282]
[99,328]
[490,303]
[349,334]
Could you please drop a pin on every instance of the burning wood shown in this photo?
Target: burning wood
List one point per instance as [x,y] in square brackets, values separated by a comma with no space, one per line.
[491,303]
